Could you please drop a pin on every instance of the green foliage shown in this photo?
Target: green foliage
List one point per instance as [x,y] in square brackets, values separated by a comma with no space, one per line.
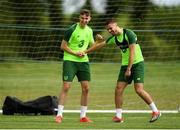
[28,23]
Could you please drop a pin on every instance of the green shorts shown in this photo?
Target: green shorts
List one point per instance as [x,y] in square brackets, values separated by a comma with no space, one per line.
[137,73]
[80,69]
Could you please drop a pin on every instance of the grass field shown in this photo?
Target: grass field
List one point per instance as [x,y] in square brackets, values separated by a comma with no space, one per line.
[30,80]
[101,121]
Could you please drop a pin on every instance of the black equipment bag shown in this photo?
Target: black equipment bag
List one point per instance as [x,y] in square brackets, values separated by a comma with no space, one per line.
[45,105]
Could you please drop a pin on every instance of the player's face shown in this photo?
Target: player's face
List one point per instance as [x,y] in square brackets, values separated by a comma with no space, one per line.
[112,28]
[84,20]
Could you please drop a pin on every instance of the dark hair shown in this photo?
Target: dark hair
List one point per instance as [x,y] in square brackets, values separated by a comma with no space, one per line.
[110,21]
[85,12]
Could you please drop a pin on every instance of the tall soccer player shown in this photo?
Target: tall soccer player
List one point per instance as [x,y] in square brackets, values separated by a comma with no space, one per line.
[76,40]
[132,67]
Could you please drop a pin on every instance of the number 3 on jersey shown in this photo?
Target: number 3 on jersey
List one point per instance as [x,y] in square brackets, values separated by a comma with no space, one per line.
[81,44]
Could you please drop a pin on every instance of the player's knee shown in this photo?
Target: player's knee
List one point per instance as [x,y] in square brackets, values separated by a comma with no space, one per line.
[139,91]
[65,89]
[119,89]
[85,89]
[139,88]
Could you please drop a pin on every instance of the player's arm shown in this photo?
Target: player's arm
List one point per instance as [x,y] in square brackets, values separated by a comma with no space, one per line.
[131,55]
[132,44]
[99,43]
[131,59]
[64,44]
[95,46]
[64,47]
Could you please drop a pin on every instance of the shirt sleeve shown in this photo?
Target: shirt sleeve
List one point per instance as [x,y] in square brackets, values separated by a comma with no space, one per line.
[131,36]
[69,32]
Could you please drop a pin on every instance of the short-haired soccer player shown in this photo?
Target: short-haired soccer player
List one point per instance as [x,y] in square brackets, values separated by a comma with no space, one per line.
[132,67]
[75,63]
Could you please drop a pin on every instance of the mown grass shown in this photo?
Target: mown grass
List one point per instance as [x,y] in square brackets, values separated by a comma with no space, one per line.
[30,80]
[100,121]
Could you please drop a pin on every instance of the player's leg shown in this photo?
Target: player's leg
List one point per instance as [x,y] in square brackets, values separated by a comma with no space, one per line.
[84,78]
[84,101]
[119,100]
[138,76]
[85,93]
[148,99]
[69,71]
[62,98]
[120,86]
[142,93]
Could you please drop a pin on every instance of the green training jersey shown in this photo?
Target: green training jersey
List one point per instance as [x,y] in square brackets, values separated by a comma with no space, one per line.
[123,41]
[78,39]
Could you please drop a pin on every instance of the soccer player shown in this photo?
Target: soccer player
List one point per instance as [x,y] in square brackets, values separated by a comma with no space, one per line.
[132,67]
[75,63]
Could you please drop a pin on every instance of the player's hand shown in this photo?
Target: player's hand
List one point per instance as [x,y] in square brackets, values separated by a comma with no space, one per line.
[80,54]
[99,38]
[128,73]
